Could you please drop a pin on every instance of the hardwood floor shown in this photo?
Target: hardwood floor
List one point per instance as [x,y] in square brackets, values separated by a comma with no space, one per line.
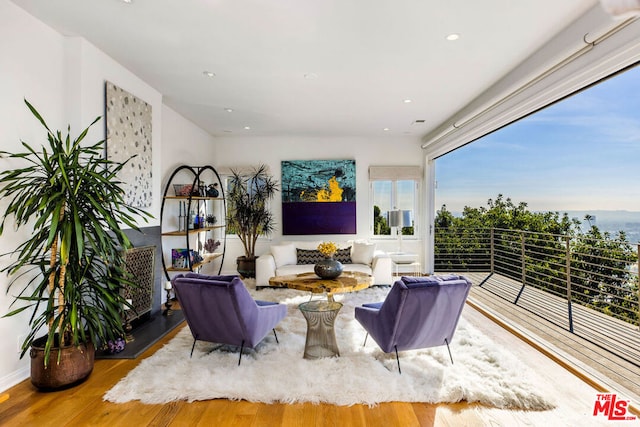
[82,405]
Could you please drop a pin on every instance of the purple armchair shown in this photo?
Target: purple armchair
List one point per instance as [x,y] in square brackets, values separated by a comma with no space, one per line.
[418,312]
[219,309]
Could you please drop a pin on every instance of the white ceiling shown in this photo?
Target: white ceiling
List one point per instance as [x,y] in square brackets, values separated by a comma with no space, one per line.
[367,57]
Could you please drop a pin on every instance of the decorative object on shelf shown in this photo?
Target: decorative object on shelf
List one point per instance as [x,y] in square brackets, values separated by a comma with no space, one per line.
[328,268]
[192,220]
[182,217]
[248,215]
[66,194]
[211,245]
[196,221]
[212,191]
[196,257]
[211,220]
[185,190]
[180,258]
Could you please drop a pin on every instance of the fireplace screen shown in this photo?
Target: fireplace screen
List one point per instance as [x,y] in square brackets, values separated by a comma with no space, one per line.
[140,263]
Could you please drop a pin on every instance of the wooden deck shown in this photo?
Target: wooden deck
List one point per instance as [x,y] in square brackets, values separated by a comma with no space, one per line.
[601,350]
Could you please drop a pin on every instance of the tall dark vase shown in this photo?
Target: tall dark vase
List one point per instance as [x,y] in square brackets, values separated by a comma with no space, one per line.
[246,266]
[328,268]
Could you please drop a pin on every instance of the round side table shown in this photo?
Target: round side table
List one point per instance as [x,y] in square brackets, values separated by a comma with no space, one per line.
[321,337]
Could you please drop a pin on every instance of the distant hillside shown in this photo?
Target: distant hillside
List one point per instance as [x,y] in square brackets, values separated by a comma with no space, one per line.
[612,221]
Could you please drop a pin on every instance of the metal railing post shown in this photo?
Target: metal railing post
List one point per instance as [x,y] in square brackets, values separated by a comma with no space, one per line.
[493,251]
[523,259]
[523,265]
[568,268]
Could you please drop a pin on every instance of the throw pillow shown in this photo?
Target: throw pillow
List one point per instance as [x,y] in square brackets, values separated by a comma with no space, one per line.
[308,256]
[343,255]
[362,253]
[284,254]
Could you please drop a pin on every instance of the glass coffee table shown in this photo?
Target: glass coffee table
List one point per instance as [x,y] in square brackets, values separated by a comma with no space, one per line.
[348,281]
[321,336]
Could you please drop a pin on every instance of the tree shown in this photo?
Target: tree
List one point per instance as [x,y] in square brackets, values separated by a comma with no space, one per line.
[600,274]
[538,243]
[380,225]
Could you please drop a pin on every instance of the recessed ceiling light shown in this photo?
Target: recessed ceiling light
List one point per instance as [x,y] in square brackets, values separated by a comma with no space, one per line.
[311,76]
[127,1]
[229,110]
[247,127]
[453,36]
[407,101]
[209,73]
[386,129]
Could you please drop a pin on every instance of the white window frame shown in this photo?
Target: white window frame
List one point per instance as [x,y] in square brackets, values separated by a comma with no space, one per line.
[394,174]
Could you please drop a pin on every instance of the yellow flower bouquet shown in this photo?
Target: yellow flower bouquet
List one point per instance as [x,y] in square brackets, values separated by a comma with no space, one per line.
[328,249]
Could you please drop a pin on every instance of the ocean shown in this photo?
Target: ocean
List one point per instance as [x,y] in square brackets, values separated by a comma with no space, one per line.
[611,221]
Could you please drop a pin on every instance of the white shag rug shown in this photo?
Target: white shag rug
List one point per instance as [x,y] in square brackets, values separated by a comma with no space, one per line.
[275,372]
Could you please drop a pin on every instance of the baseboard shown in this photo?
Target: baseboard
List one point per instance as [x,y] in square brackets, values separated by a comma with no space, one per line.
[14,378]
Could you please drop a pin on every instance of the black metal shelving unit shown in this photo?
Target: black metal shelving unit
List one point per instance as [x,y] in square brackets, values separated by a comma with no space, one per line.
[197,201]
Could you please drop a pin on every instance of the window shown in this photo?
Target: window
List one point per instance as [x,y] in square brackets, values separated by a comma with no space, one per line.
[394,189]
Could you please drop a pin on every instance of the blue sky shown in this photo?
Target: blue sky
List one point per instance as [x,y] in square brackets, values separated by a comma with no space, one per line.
[580,154]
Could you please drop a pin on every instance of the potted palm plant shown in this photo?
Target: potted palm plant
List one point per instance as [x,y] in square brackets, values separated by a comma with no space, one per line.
[70,272]
[248,214]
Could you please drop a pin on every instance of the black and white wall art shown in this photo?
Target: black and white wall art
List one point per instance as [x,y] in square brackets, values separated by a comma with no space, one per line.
[128,126]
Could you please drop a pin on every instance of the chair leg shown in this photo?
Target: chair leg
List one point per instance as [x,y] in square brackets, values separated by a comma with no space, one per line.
[192,347]
[398,359]
[365,339]
[449,350]
[274,334]
[241,348]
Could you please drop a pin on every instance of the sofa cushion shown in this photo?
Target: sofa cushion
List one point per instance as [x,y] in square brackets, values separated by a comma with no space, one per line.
[362,253]
[284,254]
[286,270]
[308,256]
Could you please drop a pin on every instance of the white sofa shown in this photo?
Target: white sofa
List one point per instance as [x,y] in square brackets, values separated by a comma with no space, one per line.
[282,260]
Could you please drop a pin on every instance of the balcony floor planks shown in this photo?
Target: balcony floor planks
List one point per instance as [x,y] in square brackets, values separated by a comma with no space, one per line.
[609,370]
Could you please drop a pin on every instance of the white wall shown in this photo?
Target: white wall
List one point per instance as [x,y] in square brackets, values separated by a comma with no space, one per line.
[243,151]
[183,144]
[64,79]
[96,67]
[31,66]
